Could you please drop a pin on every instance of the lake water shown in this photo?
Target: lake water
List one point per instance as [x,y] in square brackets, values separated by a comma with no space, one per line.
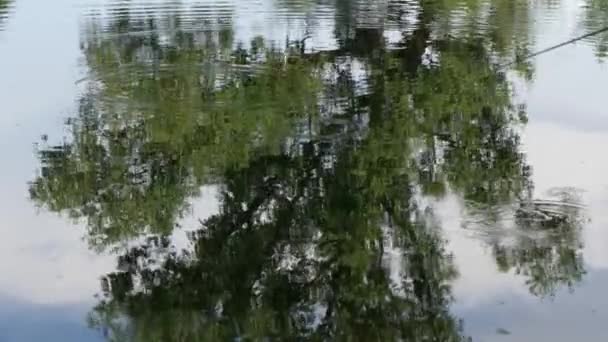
[303,170]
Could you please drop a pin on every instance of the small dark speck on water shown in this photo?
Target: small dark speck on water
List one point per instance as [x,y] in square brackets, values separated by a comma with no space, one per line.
[501,331]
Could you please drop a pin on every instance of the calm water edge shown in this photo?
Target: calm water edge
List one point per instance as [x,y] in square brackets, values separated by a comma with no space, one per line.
[295,170]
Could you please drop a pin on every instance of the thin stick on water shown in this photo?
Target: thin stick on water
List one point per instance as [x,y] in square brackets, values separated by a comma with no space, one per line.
[551,48]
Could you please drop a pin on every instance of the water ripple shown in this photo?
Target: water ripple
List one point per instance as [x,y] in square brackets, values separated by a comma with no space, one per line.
[6,9]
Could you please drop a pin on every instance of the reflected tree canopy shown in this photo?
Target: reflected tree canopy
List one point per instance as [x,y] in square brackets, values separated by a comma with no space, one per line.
[148,137]
[324,159]
[596,17]
[294,253]
[547,250]
[5,8]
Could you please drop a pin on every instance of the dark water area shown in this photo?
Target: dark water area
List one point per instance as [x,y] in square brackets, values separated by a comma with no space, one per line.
[278,170]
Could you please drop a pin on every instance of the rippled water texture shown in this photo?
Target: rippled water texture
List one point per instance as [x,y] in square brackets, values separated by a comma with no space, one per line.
[284,170]
[5,11]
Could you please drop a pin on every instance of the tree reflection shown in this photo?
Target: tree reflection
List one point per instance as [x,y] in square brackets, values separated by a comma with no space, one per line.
[5,8]
[596,17]
[328,242]
[548,245]
[323,159]
[148,137]
[295,253]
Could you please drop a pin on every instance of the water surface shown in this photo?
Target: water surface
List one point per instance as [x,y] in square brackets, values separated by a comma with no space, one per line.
[308,170]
